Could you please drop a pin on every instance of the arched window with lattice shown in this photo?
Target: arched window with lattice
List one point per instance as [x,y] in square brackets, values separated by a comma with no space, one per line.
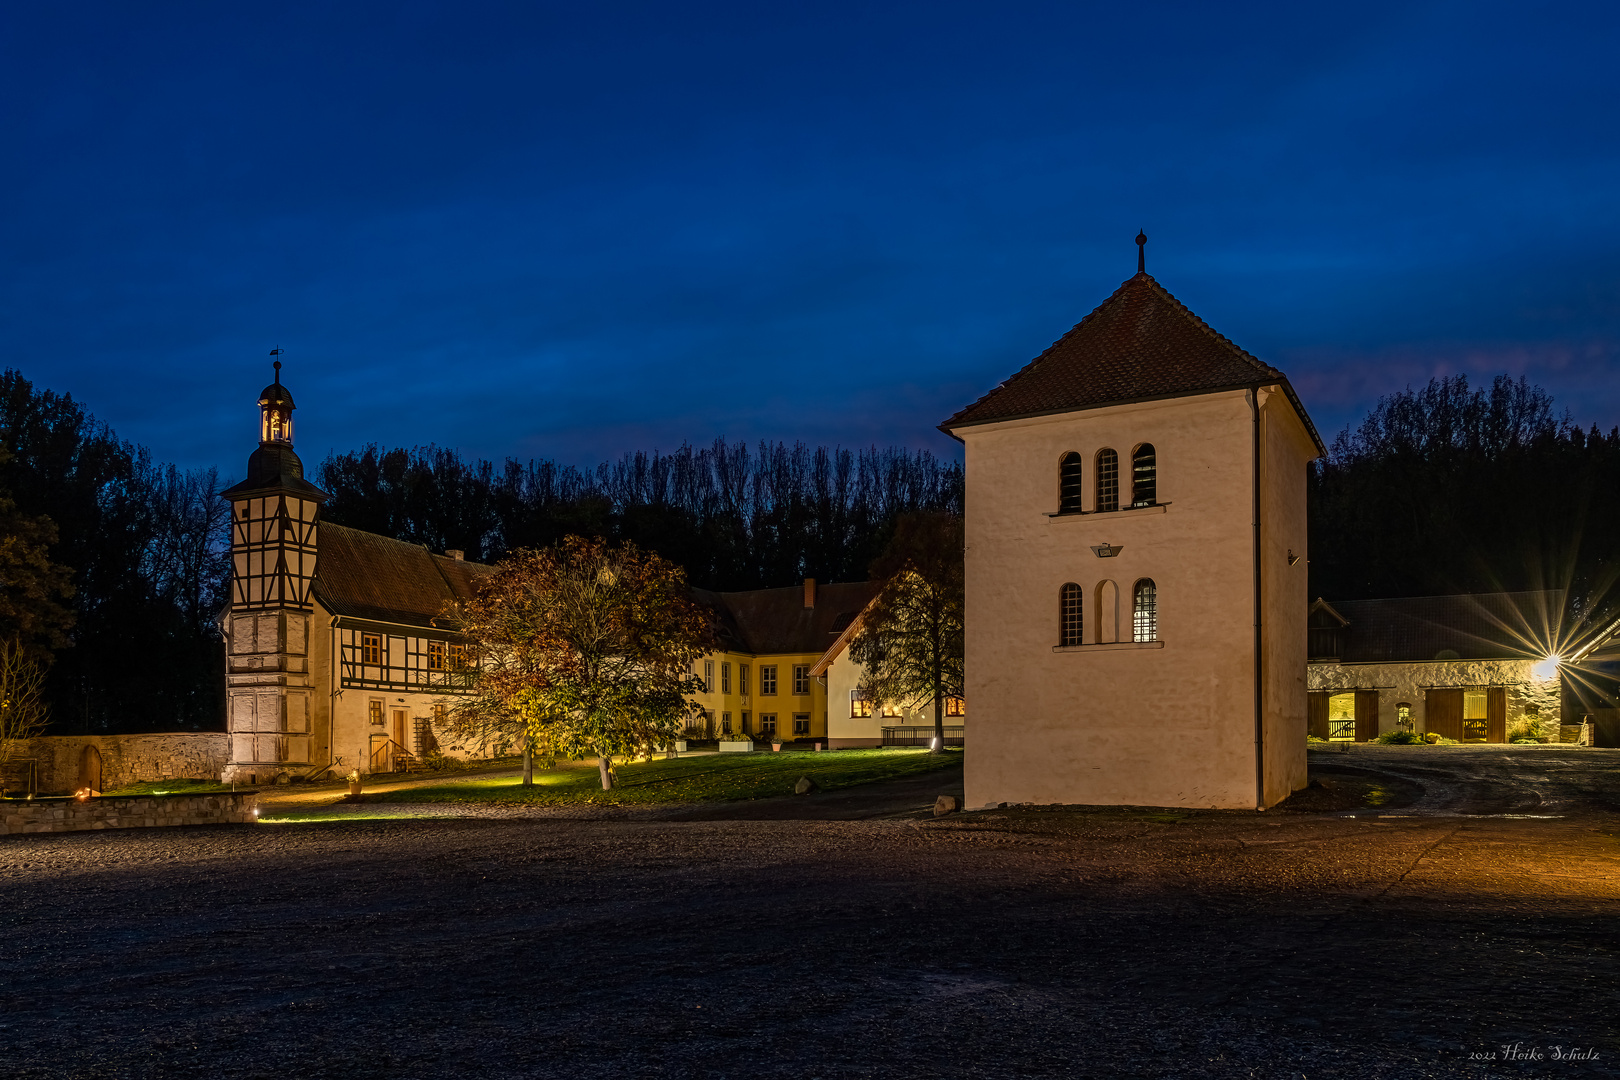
[1071,468]
[1107,480]
[1071,628]
[1144,476]
[1145,611]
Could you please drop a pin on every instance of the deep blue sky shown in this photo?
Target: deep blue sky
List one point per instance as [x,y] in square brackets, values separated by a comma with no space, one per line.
[568,230]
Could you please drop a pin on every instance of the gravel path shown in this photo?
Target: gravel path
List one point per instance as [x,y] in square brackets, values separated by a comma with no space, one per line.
[1025,943]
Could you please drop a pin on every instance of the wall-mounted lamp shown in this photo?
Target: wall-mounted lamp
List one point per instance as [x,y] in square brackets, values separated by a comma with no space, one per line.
[1107,551]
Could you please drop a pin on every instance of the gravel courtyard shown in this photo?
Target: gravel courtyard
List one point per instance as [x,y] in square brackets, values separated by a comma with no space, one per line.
[1476,906]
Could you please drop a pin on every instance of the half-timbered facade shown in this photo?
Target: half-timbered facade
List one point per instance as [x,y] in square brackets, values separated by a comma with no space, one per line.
[337,654]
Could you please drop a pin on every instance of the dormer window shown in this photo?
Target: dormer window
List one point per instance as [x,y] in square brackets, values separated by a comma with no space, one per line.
[1071,468]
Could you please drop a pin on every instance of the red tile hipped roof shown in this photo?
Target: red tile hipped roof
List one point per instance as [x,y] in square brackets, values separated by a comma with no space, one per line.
[1139,344]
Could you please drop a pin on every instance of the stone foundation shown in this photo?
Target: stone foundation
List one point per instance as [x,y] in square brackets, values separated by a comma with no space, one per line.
[144,811]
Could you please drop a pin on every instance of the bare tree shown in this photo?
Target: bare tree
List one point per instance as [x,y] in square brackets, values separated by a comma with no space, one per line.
[911,636]
[22,701]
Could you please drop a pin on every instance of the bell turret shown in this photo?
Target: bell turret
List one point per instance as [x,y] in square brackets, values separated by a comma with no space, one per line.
[275,412]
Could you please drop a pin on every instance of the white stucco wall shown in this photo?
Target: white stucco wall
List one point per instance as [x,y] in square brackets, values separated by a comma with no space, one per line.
[1166,724]
[1407,682]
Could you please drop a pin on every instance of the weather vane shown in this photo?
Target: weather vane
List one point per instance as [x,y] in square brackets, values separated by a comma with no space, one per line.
[277,352]
[1141,252]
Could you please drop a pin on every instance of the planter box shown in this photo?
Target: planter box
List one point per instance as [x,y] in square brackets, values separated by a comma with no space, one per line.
[680,746]
[736,746]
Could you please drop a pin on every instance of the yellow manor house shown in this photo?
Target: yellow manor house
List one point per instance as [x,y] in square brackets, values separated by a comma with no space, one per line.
[338,657]
[784,672]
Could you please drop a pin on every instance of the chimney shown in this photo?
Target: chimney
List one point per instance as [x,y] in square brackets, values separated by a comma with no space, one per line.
[809,592]
[455,554]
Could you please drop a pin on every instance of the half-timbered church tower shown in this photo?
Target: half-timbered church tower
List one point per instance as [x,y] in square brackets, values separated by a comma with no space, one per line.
[338,657]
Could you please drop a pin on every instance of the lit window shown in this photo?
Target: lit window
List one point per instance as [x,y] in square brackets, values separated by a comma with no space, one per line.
[767,681]
[1145,612]
[1069,615]
[1474,716]
[1144,476]
[892,711]
[1107,481]
[1342,718]
[1403,715]
[371,648]
[435,656]
[801,723]
[955,706]
[859,706]
[1070,469]
[375,710]
[725,678]
[801,678]
[458,657]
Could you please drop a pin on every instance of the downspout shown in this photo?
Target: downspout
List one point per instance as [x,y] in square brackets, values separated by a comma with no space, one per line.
[1259,658]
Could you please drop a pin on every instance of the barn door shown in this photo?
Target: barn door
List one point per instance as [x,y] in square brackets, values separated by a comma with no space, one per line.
[1317,711]
[1442,713]
[1496,714]
[1366,716]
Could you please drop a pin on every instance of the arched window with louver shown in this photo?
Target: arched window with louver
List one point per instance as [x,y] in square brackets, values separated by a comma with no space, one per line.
[1107,481]
[1144,476]
[1070,625]
[1071,468]
[1145,611]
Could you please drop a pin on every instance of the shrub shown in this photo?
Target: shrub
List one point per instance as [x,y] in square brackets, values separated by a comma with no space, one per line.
[1434,739]
[1401,737]
[1314,739]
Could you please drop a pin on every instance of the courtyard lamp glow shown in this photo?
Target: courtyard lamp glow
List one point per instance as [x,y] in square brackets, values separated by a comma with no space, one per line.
[1546,670]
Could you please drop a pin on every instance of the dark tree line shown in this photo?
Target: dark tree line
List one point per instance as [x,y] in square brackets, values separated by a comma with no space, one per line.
[143,548]
[1452,488]
[735,518]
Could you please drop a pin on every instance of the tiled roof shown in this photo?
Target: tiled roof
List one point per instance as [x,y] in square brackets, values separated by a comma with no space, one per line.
[765,621]
[1481,626]
[1139,344]
[366,576]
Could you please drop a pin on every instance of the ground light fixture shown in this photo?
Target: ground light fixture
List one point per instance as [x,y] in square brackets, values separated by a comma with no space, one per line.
[1546,670]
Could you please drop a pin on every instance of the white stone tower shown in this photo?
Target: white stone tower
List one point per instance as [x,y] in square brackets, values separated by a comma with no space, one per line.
[275,521]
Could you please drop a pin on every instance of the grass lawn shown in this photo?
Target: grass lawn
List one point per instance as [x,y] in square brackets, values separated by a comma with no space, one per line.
[171,787]
[712,778]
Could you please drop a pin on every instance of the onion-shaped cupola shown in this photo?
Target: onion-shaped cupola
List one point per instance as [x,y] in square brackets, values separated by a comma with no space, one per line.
[275,412]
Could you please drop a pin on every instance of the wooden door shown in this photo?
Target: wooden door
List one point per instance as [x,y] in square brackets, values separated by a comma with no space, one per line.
[1442,713]
[90,769]
[401,731]
[1366,716]
[1496,714]
[1317,711]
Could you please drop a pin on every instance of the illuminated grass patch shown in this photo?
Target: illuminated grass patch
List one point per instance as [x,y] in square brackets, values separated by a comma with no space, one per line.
[714,778]
[171,787]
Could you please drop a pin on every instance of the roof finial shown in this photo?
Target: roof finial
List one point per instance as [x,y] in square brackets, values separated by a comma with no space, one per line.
[1141,252]
[277,352]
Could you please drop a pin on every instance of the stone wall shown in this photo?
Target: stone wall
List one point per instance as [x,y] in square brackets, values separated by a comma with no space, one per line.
[79,815]
[1528,697]
[125,759]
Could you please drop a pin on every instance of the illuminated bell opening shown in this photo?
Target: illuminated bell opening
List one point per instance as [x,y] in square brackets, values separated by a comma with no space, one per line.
[275,412]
